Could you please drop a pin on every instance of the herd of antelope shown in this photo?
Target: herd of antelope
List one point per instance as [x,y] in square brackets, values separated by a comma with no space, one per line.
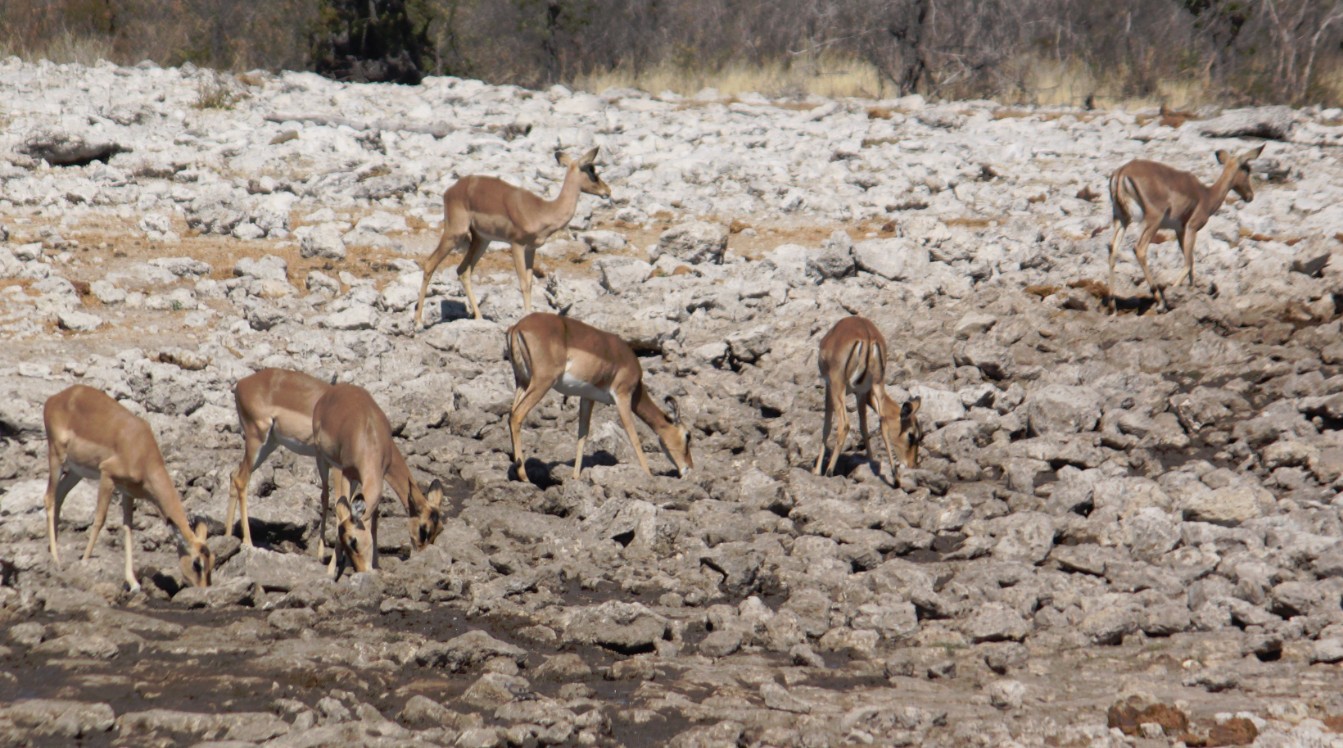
[90,435]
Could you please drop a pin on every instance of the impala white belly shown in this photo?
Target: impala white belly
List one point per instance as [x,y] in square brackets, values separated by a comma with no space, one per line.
[572,386]
[293,445]
[85,473]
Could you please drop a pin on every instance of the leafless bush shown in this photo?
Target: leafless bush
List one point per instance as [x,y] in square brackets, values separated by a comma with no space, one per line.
[1062,51]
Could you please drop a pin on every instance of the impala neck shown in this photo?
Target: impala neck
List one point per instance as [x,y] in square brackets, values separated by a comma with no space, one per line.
[398,475]
[1212,197]
[650,413]
[164,495]
[562,208]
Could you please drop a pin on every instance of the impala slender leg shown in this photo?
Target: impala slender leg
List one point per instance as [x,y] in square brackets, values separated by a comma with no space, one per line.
[825,430]
[524,271]
[58,485]
[105,489]
[127,510]
[862,424]
[468,266]
[1187,240]
[841,432]
[584,419]
[523,402]
[1140,251]
[1114,254]
[448,244]
[323,473]
[256,448]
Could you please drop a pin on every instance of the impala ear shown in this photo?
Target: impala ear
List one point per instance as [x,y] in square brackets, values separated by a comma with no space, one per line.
[1253,153]
[588,157]
[1222,156]
[673,408]
[201,530]
[343,509]
[911,407]
[435,494]
[562,158]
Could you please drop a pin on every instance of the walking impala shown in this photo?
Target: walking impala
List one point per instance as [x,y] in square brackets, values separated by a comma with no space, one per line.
[1168,198]
[853,359]
[351,433]
[478,210]
[553,352]
[90,435]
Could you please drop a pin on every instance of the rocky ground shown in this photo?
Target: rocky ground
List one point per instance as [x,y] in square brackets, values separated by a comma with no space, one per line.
[1125,529]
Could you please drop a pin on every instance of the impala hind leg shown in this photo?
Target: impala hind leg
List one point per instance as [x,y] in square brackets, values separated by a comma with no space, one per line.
[257,446]
[825,431]
[1116,239]
[524,399]
[58,485]
[452,239]
[1140,251]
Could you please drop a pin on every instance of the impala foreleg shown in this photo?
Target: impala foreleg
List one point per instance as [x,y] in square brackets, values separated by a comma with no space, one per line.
[584,420]
[127,510]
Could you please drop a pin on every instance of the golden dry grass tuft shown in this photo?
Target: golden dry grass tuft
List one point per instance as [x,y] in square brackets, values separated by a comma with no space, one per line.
[828,77]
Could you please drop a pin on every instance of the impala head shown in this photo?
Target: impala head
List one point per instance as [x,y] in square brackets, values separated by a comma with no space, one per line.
[676,440]
[901,431]
[584,166]
[1240,183]
[197,561]
[354,539]
[427,522]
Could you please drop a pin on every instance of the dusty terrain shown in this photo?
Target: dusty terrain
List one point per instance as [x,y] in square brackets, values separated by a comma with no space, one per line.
[1125,529]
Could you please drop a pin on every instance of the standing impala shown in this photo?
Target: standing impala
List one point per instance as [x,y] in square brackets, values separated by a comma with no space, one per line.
[553,352]
[90,435]
[853,359]
[1168,198]
[351,433]
[478,210]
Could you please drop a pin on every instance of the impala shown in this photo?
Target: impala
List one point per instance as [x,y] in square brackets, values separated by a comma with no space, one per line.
[1168,198]
[351,433]
[478,210]
[274,409]
[90,435]
[853,359]
[553,352]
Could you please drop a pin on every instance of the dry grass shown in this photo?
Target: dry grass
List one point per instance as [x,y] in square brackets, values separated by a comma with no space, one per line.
[64,48]
[822,77]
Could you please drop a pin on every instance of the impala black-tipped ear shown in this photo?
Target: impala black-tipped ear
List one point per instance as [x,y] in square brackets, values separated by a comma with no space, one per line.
[589,157]
[673,408]
[1222,156]
[911,407]
[1253,153]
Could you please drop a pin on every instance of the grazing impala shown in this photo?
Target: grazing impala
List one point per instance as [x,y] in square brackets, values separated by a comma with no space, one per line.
[853,359]
[1167,198]
[274,409]
[553,352]
[478,210]
[90,435]
[352,433]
